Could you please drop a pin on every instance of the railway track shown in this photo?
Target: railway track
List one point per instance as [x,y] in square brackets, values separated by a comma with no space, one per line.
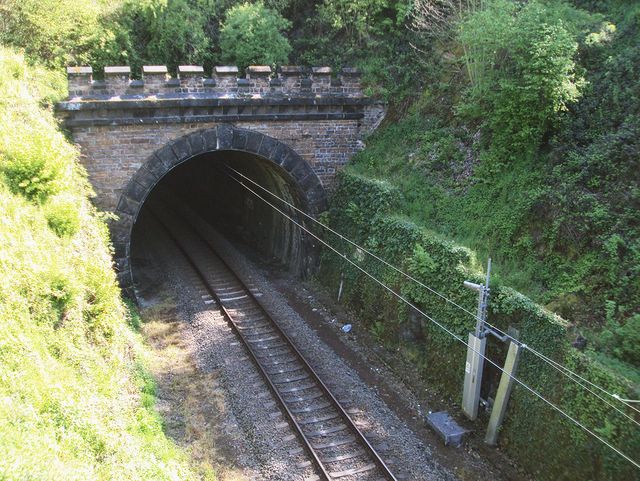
[333,442]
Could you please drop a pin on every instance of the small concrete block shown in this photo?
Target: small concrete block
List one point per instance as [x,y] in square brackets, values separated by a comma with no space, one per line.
[190,69]
[322,70]
[226,70]
[117,70]
[258,71]
[81,70]
[447,428]
[154,69]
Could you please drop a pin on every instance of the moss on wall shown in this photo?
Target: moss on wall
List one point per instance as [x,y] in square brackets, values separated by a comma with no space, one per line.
[537,437]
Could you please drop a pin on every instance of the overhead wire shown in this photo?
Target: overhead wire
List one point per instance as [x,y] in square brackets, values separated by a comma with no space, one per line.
[573,376]
[636,464]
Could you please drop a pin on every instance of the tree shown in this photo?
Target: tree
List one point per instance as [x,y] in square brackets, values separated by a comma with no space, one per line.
[252,34]
[56,32]
[522,72]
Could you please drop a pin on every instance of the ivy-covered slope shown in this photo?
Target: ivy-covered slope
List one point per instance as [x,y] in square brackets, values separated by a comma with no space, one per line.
[537,164]
[541,440]
[75,400]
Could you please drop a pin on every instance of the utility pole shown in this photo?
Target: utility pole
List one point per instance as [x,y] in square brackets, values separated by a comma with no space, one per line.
[504,392]
[476,350]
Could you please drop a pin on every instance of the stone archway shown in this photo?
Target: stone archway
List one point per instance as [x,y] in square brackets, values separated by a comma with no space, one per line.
[224,137]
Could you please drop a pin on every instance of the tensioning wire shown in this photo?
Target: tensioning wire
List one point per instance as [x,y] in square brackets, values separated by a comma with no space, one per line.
[444,328]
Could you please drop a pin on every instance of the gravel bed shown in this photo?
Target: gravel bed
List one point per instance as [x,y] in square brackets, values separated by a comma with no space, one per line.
[265,447]
[409,456]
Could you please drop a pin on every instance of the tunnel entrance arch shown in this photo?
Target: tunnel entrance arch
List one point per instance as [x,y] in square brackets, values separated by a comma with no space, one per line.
[212,143]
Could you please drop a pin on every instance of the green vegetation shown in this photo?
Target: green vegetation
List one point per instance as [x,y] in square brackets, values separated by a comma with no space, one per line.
[57,33]
[252,35]
[77,402]
[366,210]
[513,130]
[533,159]
[215,32]
[521,73]
[522,146]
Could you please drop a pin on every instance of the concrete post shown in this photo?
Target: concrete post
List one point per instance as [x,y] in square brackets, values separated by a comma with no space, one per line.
[291,76]
[502,396]
[154,77]
[350,79]
[321,78]
[259,75]
[226,78]
[191,78]
[473,375]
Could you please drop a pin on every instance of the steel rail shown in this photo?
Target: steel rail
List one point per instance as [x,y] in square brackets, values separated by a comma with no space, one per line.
[370,450]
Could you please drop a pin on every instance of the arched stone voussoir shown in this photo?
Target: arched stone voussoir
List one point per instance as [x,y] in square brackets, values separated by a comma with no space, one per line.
[268,146]
[121,230]
[240,139]
[155,166]
[254,140]
[167,157]
[225,136]
[188,146]
[128,206]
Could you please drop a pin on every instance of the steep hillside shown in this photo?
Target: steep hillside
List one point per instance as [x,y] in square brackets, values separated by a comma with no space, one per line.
[77,402]
[555,201]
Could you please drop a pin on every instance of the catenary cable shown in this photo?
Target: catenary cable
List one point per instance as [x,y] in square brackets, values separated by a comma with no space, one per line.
[444,328]
[573,376]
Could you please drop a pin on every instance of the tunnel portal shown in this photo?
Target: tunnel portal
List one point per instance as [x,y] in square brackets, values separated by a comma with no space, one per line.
[198,171]
[221,187]
[292,129]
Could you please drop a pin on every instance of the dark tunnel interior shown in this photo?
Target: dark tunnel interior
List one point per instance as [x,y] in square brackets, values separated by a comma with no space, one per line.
[206,185]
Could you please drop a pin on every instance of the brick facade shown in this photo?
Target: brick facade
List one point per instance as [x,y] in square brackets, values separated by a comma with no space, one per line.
[132,132]
[112,154]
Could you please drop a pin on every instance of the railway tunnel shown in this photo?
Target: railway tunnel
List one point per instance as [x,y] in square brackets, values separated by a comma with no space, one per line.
[232,190]
[290,130]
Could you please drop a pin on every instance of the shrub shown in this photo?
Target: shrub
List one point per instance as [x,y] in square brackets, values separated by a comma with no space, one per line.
[524,73]
[62,216]
[556,450]
[252,35]
[623,341]
[75,405]
[56,32]
[35,158]
[177,34]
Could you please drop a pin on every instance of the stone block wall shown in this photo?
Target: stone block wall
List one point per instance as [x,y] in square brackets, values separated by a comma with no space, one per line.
[112,154]
[224,81]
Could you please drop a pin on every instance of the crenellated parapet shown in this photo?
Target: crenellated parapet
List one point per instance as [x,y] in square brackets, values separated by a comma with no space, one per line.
[290,93]
[224,82]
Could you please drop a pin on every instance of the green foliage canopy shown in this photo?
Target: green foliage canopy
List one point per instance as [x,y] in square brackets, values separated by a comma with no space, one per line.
[165,32]
[524,73]
[252,34]
[58,32]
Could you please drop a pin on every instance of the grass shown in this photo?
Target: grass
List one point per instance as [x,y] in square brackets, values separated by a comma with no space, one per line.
[76,398]
[193,401]
[412,154]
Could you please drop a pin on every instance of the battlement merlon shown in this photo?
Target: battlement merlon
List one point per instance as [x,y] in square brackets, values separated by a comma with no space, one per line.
[259,82]
[291,93]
